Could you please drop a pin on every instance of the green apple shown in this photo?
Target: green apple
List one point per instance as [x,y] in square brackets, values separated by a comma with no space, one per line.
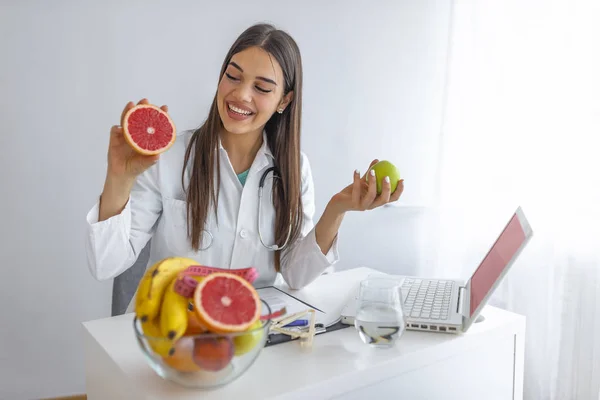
[382,169]
[246,342]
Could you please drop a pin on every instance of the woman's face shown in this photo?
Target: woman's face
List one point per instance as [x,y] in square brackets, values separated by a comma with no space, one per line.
[250,91]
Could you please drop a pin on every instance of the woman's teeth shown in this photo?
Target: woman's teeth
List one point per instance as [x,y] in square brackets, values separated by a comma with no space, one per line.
[239,110]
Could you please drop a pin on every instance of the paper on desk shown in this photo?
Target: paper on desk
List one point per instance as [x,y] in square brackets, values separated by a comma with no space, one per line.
[276,299]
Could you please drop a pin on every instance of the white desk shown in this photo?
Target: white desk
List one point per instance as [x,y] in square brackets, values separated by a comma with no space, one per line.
[485,363]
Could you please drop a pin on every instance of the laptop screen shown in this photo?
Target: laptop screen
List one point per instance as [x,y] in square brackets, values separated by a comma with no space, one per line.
[495,261]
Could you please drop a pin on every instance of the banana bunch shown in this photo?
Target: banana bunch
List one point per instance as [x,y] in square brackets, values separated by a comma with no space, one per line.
[174,319]
[157,305]
[152,287]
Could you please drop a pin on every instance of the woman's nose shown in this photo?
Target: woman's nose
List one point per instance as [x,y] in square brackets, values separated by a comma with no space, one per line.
[243,93]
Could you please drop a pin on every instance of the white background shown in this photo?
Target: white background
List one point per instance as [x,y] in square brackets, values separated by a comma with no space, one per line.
[374,84]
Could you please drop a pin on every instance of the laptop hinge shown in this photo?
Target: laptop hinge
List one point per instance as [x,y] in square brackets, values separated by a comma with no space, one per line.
[460,308]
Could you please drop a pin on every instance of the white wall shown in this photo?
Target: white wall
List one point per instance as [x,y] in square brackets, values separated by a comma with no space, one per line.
[374,79]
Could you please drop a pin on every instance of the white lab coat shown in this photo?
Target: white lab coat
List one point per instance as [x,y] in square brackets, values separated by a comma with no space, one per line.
[157,209]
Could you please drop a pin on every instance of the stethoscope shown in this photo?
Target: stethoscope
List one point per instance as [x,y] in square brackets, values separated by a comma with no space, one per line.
[261,183]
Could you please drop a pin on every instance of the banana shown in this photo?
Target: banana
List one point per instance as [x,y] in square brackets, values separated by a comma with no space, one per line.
[158,342]
[173,313]
[152,286]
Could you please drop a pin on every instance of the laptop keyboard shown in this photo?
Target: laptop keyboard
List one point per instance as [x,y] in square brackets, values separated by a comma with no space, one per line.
[427,299]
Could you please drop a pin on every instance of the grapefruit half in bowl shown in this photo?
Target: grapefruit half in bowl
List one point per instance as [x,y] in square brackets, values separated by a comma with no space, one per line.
[148,129]
[226,303]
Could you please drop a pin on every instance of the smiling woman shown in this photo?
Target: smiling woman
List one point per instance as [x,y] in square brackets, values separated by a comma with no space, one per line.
[261,74]
[198,199]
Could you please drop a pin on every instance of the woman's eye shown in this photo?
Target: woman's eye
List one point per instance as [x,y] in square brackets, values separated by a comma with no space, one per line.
[262,90]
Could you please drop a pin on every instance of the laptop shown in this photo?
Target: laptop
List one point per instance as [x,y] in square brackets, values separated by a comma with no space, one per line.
[451,306]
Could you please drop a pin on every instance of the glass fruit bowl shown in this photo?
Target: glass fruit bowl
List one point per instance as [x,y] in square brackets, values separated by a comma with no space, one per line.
[205,360]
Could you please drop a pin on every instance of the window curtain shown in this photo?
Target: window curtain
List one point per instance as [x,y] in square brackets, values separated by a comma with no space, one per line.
[522,128]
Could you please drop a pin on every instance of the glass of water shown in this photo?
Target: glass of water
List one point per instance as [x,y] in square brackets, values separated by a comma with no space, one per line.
[380,319]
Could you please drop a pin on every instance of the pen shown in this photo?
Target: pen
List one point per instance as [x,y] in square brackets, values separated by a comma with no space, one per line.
[298,322]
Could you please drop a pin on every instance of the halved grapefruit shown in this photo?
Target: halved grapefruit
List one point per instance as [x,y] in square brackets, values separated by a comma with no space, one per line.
[226,303]
[148,129]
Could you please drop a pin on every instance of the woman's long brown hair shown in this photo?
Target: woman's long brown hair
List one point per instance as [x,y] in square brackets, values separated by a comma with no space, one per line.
[283,138]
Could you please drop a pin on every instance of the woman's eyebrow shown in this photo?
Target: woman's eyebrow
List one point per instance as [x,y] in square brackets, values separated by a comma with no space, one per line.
[262,78]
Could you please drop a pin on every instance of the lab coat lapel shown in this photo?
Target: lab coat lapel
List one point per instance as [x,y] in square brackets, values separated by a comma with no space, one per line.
[263,158]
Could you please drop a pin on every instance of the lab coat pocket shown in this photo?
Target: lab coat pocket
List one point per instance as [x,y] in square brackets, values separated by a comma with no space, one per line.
[176,237]
[176,228]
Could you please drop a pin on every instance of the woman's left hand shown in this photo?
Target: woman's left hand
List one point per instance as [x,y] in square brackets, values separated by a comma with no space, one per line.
[361,195]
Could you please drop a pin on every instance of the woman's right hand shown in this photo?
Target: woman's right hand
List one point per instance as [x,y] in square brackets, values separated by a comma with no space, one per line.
[124,163]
